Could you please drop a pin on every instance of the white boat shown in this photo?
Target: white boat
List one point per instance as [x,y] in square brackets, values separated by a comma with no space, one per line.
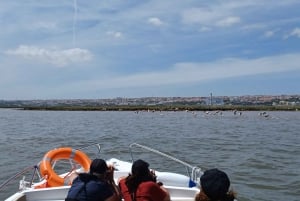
[45,184]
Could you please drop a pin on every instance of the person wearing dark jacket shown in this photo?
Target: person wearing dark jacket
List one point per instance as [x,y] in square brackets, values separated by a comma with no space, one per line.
[97,185]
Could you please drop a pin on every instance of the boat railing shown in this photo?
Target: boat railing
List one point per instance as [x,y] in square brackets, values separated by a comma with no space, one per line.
[98,146]
[21,173]
[35,175]
[193,172]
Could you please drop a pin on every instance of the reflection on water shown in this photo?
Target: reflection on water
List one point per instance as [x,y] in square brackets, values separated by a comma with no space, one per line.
[259,153]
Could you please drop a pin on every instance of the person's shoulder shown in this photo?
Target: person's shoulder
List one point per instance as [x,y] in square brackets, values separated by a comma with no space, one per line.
[152,188]
[122,178]
[149,183]
[86,177]
[97,185]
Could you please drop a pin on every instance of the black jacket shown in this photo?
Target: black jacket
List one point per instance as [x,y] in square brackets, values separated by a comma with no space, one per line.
[87,187]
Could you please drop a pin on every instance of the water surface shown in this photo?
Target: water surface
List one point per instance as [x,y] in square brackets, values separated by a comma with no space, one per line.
[260,154]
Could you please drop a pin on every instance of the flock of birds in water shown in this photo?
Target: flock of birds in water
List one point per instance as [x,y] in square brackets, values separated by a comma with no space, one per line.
[208,113]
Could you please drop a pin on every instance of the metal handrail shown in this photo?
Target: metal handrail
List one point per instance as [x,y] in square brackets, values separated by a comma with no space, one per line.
[36,167]
[194,174]
[94,144]
[22,172]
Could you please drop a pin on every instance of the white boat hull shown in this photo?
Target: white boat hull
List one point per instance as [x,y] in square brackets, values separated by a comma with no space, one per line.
[176,184]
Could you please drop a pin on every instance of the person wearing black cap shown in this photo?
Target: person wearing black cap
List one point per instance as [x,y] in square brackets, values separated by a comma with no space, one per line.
[141,185]
[215,187]
[96,185]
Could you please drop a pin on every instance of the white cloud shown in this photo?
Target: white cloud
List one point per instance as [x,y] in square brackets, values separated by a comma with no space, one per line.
[194,32]
[204,29]
[295,32]
[56,57]
[202,16]
[184,73]
[114,34]
[219,16]
[44,25]
[255,26]
[228,21]
[269,34]
[231,12]
[155,21]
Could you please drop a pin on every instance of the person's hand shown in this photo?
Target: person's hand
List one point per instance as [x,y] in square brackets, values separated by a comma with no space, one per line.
[152,173]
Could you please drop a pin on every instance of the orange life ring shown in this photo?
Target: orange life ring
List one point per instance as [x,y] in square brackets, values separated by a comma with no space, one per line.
[47,171]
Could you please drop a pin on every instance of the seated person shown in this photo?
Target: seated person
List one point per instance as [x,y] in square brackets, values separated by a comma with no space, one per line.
[141,185]
[215,187]
[96,185]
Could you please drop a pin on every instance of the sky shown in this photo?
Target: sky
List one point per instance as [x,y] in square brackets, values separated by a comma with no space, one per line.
[79,49]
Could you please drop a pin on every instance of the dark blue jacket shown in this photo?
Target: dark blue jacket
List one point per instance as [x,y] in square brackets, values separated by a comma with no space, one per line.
[87,187]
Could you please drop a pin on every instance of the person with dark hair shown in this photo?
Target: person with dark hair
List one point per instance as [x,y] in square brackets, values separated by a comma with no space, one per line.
[215,187]
[141,185]
[97,185]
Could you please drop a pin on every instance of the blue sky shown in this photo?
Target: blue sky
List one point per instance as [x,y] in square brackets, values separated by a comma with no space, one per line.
[60,49]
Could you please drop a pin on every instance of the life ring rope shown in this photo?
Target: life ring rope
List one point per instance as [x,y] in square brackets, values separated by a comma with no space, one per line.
[72,154]
[47,171]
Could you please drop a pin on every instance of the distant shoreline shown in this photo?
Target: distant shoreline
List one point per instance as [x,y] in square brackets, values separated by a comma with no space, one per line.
[165,108]
[222,103]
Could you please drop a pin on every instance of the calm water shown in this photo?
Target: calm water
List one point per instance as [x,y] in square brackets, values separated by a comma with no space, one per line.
[261,155]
